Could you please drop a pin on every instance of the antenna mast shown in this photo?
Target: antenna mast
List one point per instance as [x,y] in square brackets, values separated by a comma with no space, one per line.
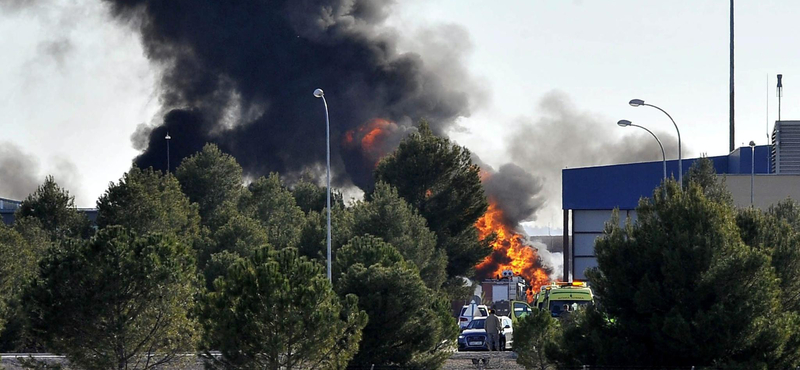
[779,92]
[731,85]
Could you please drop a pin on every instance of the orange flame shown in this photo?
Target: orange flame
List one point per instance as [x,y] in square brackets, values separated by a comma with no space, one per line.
[370,138]
[510,252]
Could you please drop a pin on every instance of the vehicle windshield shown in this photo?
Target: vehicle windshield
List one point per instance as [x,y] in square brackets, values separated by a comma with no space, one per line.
[476,324]
[557,307]
[474,311]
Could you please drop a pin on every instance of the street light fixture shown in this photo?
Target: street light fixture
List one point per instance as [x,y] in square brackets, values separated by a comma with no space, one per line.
[168,138]
[626,123]
[752,168]
[320,94]
[640,102]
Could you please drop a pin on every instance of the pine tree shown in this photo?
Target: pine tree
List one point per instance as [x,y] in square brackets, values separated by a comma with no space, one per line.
[120,300]
[277,310]
[680,280]
[439,180]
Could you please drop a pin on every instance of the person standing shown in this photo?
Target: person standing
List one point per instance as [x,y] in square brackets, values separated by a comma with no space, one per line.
[492,327]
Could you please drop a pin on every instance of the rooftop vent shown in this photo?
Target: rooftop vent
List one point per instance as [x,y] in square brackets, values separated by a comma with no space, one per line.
[786,147]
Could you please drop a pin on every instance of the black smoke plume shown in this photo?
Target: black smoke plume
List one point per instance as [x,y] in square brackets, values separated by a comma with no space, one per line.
[241,74]
[516,192]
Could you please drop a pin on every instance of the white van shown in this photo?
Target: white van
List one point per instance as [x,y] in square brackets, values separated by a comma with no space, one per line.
[469,311]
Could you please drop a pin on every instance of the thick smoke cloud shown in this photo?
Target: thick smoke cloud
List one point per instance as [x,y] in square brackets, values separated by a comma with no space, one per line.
[563,136]
[241,74]
[20,173]
[516,192]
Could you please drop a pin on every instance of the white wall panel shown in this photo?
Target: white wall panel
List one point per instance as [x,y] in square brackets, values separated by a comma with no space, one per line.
[592,221]
[584,244]
[581,264]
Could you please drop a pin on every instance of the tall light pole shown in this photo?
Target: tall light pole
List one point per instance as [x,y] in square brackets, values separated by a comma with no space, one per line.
[752,168]
[626,123]
[320,94]
[168,138]
[638,102]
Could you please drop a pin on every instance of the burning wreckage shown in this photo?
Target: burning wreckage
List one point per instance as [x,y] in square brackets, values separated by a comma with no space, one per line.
[220,84]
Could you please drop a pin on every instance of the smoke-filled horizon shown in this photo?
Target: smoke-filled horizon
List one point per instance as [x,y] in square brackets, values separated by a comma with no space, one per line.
[21,175]
[563,136]
[241,75]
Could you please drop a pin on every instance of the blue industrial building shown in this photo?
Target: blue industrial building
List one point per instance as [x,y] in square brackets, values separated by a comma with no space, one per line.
[590,194]
[8,207]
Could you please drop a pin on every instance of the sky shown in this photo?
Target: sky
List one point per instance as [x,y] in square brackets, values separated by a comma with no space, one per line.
[76,84]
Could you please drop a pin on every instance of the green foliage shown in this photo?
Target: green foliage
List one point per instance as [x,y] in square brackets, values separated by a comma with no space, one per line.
[772,234]
[210,178]
[310,197]
[22,247]
[313,236]
[239,236]
[146,201]
[533,335]
[589,336]
[107,302]
[409,325]
[438,178]
[680,280]
[789,211]
[274,207]
[703,174]
[389,217]
[367,250]
[55,211]
[17,266]
[278,310]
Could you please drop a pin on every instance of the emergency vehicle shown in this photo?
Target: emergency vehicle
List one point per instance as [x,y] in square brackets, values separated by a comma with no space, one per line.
[556,296]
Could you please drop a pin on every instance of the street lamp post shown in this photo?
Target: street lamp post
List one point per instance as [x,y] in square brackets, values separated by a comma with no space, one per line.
[320,94]
[626,123]
[752,169]
[168,138]
[638,102]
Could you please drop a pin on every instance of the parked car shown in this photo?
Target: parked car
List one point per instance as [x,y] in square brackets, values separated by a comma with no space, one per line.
[469,311]
[474,338]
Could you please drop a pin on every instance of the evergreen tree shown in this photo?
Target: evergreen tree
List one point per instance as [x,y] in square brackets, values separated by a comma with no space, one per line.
[271,204]
[438,178]
[787,210]
[146,201]
[54,209]
[775,237]
[117,301]
[533,335]
[409,325]
[680,280]
[313,236]
[17,267]
[240,236]
[389,217]
[23,246]
[210,178]
[310,197]
[277,310]
[703,174]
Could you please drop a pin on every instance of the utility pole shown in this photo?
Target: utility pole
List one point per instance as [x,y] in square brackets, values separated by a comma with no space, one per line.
[731,103]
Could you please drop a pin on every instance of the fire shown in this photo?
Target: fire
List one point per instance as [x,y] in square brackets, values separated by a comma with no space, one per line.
[510,252]
[371,138]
